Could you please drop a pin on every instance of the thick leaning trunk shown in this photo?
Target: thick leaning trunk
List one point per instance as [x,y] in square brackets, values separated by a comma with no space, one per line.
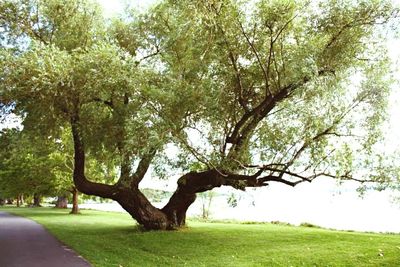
[184,196]
[127,194]
[177,207]
[140,208]
[173,215]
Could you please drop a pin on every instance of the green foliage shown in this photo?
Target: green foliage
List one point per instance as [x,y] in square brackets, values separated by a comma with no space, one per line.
[306,224]
[297,82]
[33,164]
[232,200]
[26,165]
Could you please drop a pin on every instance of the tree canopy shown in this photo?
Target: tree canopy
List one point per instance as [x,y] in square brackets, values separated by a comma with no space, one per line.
[28,167]
[234,93]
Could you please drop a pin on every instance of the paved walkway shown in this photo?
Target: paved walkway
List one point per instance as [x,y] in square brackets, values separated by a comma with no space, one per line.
[25,243]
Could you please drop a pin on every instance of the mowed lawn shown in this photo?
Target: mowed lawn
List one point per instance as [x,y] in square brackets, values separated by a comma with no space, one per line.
[113,239]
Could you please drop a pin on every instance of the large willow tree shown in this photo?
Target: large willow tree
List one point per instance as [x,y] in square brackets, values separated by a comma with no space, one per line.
[243,93]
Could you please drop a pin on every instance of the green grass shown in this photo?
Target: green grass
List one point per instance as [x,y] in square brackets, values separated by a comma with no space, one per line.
[113,239]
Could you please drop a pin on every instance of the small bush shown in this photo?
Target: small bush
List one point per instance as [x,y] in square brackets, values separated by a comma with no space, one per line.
[281,223]
[306,224]
[253,222]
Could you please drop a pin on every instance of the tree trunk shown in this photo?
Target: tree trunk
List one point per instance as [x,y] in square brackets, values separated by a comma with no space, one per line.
[2,202]
[10,201]
[36,200]
[173,215]
[177,207]
[75,207]
[62,202]
[128,195]
[206,204]
[184,196]
[19,200]
[139,207]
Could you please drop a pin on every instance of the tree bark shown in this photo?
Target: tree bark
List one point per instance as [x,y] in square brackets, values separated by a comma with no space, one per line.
[173,215]
[128,195]
[140,208]
[36,200]
[75,207]
[62,202]
[19,200]
[184,196]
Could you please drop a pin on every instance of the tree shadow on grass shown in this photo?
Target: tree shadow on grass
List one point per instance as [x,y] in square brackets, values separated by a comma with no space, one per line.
[43,212]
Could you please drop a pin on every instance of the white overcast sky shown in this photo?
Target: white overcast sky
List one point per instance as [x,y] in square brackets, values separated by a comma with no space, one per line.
[112,7]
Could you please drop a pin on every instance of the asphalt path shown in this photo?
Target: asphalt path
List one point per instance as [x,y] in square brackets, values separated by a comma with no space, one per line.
[25,243]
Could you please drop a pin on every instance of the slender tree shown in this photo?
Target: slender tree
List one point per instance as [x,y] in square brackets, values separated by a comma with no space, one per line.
[247,92]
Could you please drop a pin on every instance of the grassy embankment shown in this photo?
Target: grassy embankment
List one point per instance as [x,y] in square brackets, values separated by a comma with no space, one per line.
[112,239]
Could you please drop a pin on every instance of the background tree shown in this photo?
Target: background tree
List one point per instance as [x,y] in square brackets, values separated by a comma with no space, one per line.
[35,166]
[206,201]
[26,167]
[247,92]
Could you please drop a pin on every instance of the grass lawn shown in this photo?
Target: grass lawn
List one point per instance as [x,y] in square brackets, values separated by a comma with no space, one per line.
[112,239]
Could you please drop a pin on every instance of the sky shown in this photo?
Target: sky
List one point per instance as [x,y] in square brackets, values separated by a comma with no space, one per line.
[112,7]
